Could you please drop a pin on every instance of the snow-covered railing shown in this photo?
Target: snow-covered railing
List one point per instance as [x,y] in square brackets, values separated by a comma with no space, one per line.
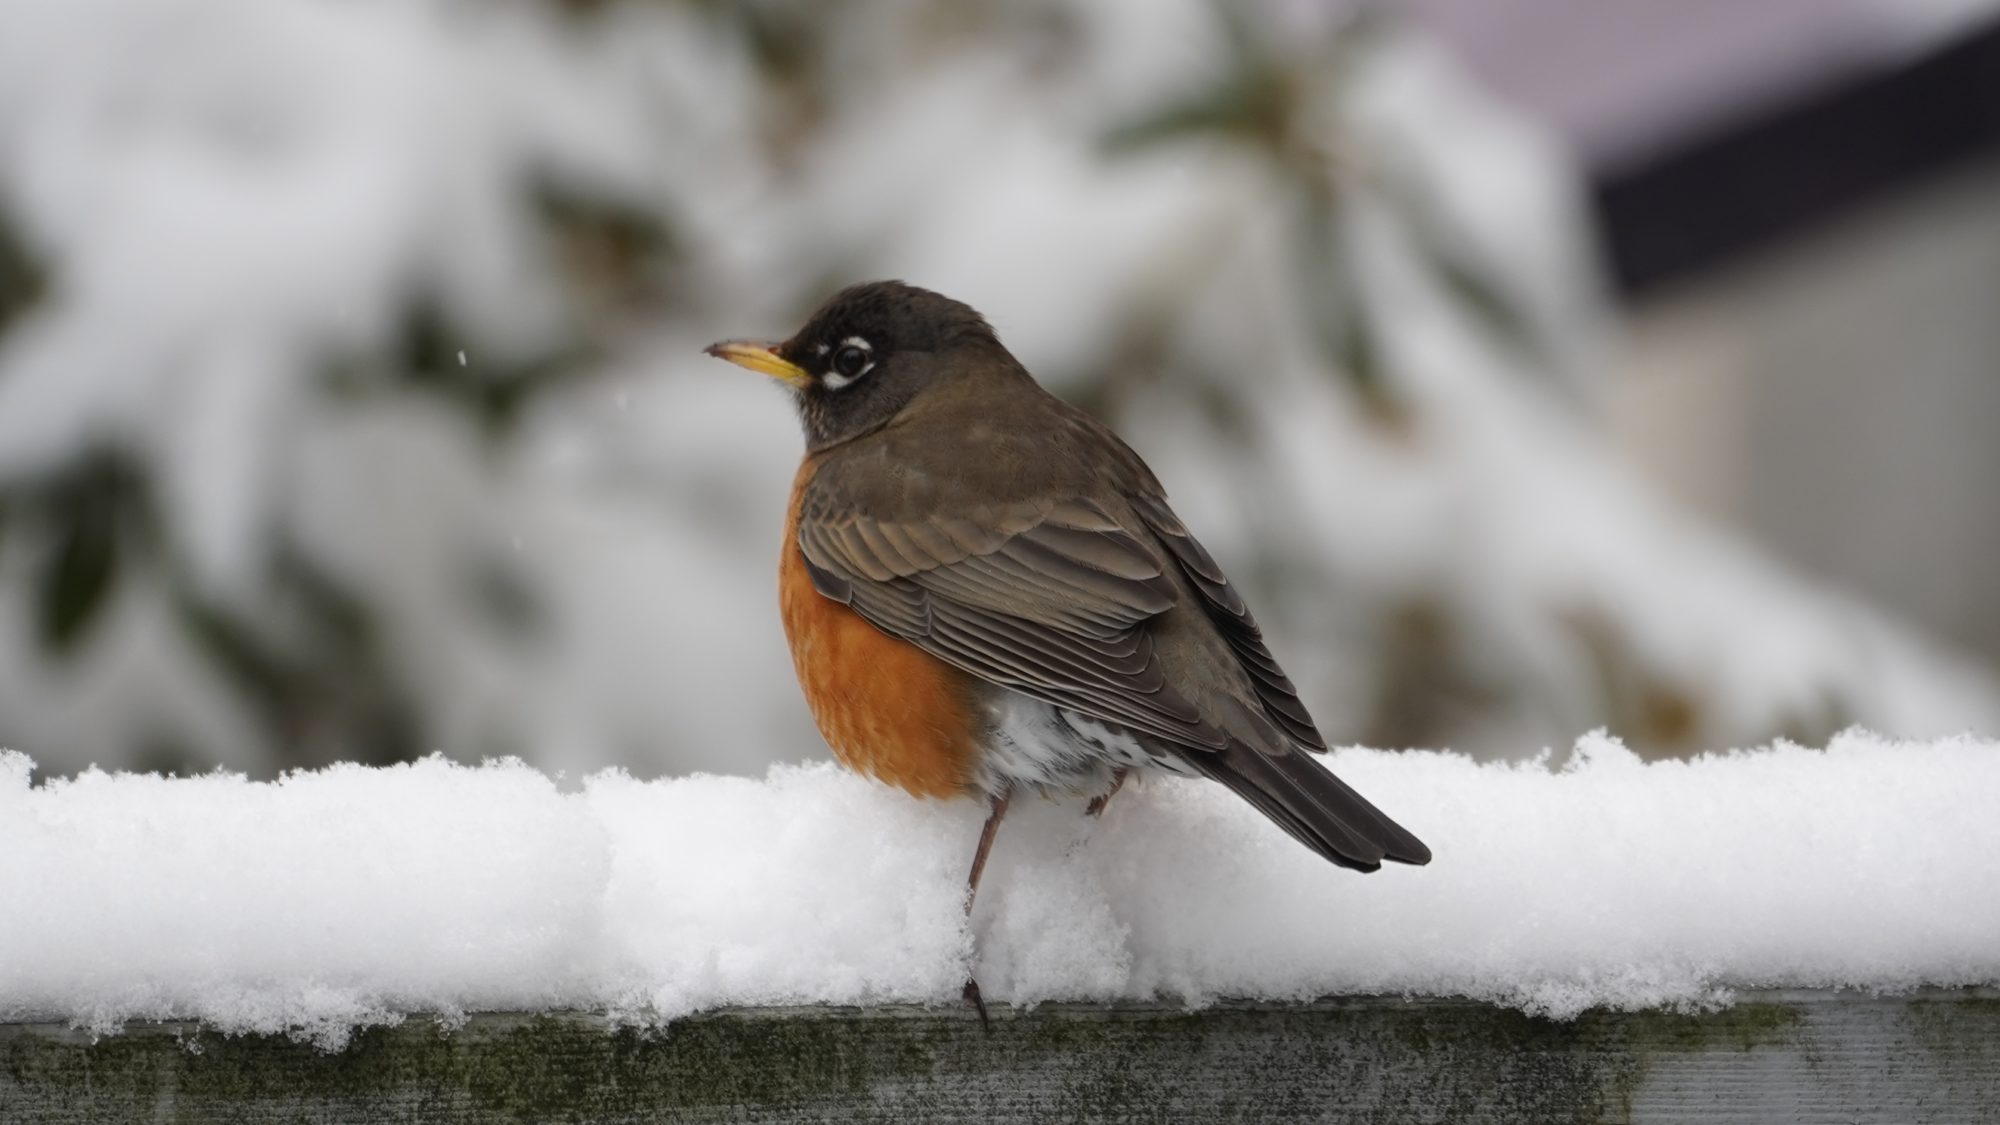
[1780,929]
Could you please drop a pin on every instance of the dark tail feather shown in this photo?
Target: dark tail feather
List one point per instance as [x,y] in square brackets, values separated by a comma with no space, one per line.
[1318,809]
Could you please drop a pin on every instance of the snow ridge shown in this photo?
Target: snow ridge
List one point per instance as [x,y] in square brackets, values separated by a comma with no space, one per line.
[351,896]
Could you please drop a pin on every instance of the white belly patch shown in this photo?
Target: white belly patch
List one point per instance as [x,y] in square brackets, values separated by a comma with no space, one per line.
[1031,743]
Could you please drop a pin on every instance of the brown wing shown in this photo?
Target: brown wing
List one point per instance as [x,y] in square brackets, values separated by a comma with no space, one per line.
[1047,597]
[1298,794]
[1232,618]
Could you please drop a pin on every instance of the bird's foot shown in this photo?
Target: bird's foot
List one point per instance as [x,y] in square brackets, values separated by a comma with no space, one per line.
[978,1003]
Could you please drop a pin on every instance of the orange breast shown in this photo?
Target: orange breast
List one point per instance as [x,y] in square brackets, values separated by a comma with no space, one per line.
[886,707]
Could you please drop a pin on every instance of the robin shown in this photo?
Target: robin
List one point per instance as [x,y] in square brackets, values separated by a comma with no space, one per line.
[986,592]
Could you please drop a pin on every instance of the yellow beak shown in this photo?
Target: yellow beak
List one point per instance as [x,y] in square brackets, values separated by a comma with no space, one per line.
[761,357]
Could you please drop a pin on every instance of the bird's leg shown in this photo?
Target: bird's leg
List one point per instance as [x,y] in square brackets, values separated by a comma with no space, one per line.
[998,809]
[1097,803]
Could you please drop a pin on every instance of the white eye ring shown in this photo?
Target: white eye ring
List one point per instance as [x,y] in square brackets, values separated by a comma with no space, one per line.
[850,362]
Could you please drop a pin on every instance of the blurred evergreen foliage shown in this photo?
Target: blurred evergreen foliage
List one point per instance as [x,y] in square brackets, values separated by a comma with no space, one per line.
[309,657]
[306,656]
[21,277]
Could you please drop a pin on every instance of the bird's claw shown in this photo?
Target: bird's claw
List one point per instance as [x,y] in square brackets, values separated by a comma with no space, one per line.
[978,1002]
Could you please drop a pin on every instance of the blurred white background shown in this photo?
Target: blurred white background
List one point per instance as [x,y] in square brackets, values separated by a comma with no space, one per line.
[351,403]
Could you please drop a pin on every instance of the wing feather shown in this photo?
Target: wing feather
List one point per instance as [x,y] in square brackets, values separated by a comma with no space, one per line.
[1232,616]
[1055,608]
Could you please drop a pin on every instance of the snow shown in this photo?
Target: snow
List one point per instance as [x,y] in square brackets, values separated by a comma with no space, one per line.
[352,895]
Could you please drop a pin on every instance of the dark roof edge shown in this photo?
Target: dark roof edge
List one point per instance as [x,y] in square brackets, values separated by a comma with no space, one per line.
[1793,167]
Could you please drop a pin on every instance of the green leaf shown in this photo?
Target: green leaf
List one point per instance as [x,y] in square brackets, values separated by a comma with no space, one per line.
[22,279]
[1444,255]
[1335,305]
[1249,105]
[1252,100]
[494,394]
[248,664]
[77,579]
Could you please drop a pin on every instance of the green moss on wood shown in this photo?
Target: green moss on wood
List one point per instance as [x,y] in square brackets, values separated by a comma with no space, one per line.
[1370,1059]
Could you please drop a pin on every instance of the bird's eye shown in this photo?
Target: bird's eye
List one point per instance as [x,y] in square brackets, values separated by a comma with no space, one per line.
[850,361]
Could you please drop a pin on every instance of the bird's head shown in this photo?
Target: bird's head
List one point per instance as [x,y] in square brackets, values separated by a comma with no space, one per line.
[868,353]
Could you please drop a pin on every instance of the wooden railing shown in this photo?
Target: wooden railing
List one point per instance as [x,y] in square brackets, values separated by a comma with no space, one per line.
[1774,1057]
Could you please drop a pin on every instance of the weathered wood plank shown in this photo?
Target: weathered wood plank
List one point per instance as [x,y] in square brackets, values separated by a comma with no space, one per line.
[1790,1057]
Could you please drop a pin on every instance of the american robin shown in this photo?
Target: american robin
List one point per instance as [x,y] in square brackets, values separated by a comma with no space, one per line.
[986,592]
